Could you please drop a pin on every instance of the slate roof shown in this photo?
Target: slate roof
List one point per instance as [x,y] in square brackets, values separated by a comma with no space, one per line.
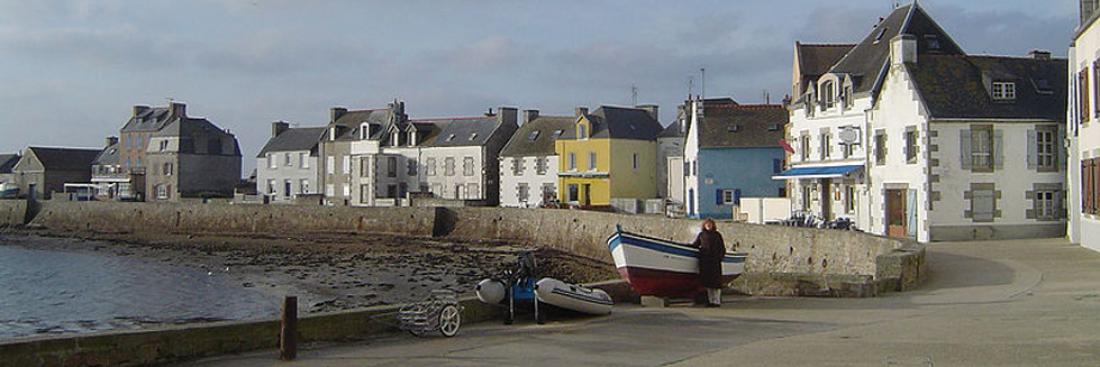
[7,162]
[672,131]
[743,126]
[190,126]
[623,123]
[151,119]
[956,86]
[107,157]
[353,121]
[815,60]
[294,139]
[65,159]
[867,61]
[521,145]
[458,132]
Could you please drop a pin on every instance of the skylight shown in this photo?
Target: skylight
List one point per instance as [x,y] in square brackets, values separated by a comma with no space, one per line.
[473,136]
[534,135]
[451,137]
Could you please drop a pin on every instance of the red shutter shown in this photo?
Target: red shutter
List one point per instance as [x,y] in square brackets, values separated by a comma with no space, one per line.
[1086,187]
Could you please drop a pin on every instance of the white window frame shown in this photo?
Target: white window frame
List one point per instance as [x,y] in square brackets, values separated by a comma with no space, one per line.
[330,190]
[593,159]
[287,161]
[1004,91]
[346,164]
[1044,205]
[728,196]
[303,160]
[303,186]
[330,165]
[271,161]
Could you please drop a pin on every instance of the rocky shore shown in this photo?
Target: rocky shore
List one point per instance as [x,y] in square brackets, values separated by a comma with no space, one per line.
[329,271]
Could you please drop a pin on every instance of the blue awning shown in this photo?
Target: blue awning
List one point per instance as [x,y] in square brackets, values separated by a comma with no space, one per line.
[807,172]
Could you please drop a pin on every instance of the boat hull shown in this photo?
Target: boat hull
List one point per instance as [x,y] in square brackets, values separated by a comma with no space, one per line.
[655,267]
[574,297]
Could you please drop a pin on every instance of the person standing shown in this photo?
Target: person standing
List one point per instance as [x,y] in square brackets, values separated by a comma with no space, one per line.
[711,251]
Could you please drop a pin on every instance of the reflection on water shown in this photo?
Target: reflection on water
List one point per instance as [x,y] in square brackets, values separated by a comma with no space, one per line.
[54,292]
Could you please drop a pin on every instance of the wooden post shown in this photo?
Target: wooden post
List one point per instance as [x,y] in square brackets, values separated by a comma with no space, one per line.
[288,333]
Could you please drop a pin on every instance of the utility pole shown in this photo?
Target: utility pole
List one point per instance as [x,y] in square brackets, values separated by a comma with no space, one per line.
[703,71]
[633,95]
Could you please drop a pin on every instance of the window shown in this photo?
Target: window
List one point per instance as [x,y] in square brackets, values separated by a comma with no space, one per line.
[1045,206]
[391,191]
[1004,91]
[635,161]
[364,167]
[533,135]
[271,187]
[162,192]
[694,168]
[472,191]
[731,197]
[517,166]
[848,97]
[982,205]
[572,161]
[167,169]
[828,95]
[347,190]
[364,194]
[826,146]
[1089,178]
[412,167]
[1095,87]
[523,192]
[932,41]
[286,160]
[330,165]
[449,166]
[163,145]
[437,189]
[431,167]
[1083,95]
[557,133]
[468,166]
[391,166]
[880,148]
[548,192]
[574,194]
[847,150]
[541,166]
[271,161]
[1046,155]
[777,166]
[451,137]
[582,131]
[473,136]
[911,146]
[346,164]
[303,187]
[330,190]
[303,160]
[981,147]
[804,147]
[287,188]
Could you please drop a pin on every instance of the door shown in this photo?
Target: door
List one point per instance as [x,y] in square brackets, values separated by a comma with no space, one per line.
[826,199]
[691,201]
[896,221]
[586,195]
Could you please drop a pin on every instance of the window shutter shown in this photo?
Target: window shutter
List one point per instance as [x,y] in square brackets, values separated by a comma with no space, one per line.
[998,149]
[1060,150]
[737,197]
[1032,149]
[965,160]
[1059,208]
[1086,187]
[718,197]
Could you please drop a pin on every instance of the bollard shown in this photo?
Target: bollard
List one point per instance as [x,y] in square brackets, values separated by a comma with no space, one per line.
[288,333]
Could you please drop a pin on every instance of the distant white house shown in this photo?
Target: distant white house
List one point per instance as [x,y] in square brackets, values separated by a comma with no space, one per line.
[529,164]
[288,165]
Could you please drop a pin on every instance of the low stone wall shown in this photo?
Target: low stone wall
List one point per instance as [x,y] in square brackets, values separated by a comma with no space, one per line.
[120,217]
[188,342]
[12,213]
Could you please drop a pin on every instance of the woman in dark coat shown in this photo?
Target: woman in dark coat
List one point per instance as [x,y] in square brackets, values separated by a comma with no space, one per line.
[711,251]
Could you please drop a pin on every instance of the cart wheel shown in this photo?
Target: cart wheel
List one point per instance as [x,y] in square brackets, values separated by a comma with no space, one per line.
[450,320]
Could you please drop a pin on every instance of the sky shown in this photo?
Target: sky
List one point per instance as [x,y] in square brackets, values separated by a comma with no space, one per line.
[70,71]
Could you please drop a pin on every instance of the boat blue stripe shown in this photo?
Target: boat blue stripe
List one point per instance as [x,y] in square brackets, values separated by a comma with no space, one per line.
[618,239]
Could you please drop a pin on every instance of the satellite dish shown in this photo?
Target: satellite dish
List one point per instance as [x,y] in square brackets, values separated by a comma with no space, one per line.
[849,135]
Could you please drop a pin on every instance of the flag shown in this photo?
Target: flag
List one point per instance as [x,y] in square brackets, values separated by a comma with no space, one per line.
[787,147]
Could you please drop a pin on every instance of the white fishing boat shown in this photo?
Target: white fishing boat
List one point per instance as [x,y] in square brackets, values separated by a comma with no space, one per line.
[661,268]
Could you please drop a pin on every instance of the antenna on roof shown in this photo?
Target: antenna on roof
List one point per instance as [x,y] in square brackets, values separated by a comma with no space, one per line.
[691,86]
[633,95]
[703,71]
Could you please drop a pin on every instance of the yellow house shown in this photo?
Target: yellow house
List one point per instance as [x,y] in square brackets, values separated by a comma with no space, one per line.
[611,154]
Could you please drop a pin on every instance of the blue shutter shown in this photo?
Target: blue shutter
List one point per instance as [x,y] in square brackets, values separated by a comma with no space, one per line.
[737,197]
[718,197]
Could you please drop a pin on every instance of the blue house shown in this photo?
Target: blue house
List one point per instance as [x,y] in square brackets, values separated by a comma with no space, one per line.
[732,151]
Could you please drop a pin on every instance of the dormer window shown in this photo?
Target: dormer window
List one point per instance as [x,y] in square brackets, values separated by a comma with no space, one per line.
[332,133]
[451,137]
[412,138]
[557,133]
[582,131]
[364,131]
[473,136]
[533,135]
[828,95]
[1004,91]
[396,136]
[932,42]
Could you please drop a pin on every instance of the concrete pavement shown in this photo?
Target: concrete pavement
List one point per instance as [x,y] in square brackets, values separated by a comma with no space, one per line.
[1004,303]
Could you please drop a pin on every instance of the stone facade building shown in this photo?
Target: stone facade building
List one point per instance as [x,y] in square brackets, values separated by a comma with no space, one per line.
[529,164]
[42,171]
[907,135]
[346,129]
[191,158]
[7,163]
[109,176]
[289,164]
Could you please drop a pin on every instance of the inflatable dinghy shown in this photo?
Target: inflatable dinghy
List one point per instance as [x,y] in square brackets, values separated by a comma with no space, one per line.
[553,292]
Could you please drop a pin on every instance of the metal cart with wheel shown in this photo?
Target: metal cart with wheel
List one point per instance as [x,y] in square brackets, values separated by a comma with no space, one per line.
[440,312]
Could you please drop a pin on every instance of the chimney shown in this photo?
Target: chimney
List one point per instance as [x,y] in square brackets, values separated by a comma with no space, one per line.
[336,112]
[507,115]
[651,109]
[278,127]
[112,140]
[903,49]
[530,115]
[176,109]
[139,109]
[1041,55]
[581,111]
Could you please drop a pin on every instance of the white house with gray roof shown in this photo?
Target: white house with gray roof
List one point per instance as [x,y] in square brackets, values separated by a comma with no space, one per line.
[529,164]
[289,164]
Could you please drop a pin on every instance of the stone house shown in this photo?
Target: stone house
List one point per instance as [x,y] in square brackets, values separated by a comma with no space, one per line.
[1083,127]
[108,174]
[42,171]
[529,164]
[289,164]
[612,155]
[357,130]
[7,163]
[906,135]
[191,158]
[732,150]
